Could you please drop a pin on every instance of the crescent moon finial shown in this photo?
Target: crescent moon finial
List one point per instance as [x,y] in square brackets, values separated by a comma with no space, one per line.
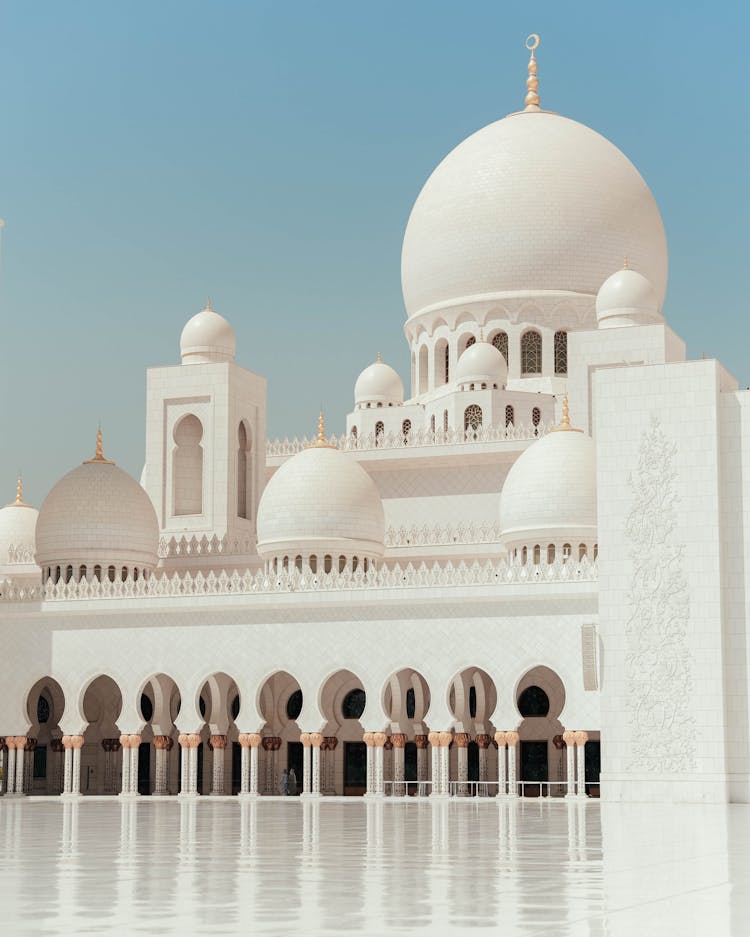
[532,82]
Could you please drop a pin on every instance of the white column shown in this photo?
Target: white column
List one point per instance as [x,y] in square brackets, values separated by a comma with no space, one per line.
[570,755]
[399,742]
[445,770]
[500,738]
[305,739]
[244,770]
[462,741]
[68,766]
[581,739]
[249,742]
[3,766]
[316,740]
[11,782]
[434,739]
[135,744]
[218,744]
[421,743]
[254,769]
[512,739]
[76,787]
[367,738]
[125,785]
[184,762]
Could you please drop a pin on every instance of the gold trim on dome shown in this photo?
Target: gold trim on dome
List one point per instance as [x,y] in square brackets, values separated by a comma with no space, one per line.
[532,99]
[565,426]
[99,454]
[321,442]
[19,502]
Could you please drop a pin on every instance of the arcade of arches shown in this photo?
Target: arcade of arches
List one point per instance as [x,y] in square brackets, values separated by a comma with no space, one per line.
[406,756]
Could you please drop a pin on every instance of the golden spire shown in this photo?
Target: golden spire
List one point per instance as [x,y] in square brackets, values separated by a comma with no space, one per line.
[321,442]
[380,357]
[19,502]
[532,82]
[626,262]
[565,421]
[208,304]
[99,454]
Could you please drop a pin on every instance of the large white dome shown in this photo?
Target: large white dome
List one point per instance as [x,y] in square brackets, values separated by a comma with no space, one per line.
[97,515]
[17,535]
[549,495]
[482,363]
[321,502]
[627,298]
[207,337]
[535,203]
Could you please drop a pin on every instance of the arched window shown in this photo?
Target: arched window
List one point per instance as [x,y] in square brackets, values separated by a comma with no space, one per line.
[596,551]
[327,563]
[354,704]
[536,418]
[581,551]
[442,359]
[561,352]
[354,432]
[244,472]
[187,467]
[445,421]
[135,574]
[379,433]
[509,416]
[524,555]
[98,573]
[432,423]
[342,564]
[531,353]
[537,554]
[472,418]
[533,702]
[68,573]
[42,710]
[294,705]
[446,364]
[423,369]
[313,564]
[111,573]
[124,573]
[566,552]
[57,573]
[406,427]
[355,564]
[411,703]
[500,341]
[81,573]
[473,702]
[550,553]
[298,563]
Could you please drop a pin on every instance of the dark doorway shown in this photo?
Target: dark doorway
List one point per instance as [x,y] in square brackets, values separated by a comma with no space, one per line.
[144,768]
[294,759]
[593,754]
[473,760]
[236,767]
[410,762]
[533,766]
[199,766]
[355,768]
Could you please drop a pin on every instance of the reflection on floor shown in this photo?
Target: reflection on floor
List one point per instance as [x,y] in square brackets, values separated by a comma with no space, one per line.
[101,866]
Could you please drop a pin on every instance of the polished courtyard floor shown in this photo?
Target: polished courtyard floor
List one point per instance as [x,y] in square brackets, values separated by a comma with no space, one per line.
[223,866]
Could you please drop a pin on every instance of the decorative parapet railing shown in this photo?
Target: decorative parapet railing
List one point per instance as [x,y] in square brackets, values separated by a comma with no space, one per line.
[416,438]
[204,546]
[488,573]
[441,535]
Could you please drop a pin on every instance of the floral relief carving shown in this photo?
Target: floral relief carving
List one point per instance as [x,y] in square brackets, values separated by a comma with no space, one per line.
[658,662]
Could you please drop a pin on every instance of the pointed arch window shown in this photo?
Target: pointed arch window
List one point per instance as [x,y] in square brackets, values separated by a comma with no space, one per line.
[187,468]
[509,415]
[561,352]
[531,352]
[472,418]
[500,341]
[244,471]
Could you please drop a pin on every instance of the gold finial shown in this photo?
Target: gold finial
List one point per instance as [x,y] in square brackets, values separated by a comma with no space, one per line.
[321,442]
[19,502]
[208,304]
[626,263]
[565,421]
[99,454]
[380,357]
[532,82]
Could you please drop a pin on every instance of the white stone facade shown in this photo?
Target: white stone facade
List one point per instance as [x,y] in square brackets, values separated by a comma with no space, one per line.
[462,595]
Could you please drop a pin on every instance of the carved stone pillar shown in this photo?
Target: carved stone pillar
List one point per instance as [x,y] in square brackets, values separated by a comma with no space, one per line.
[500,740]
[217,744]
[367,738]
[249,742]
[183,742]
[316,740]
[56,783]
[306,766]
[10,781]
[462,740]
[27,777]
[162,745]
[434,739]
[570,755]
[399,744]
[483,743]
[3,764]
[379,739]
[72,774]
[271,744]
[581,739]
[421,742]
[512,739]
[130,745]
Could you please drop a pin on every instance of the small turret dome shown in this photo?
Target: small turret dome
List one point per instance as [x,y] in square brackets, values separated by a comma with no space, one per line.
[321,503]
[549,495]
[207,337]
[481,364]
[96,516]
[17,537]
[379,385]
[627,298]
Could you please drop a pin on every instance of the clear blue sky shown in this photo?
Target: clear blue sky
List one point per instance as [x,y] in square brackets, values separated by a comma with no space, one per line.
[268,154]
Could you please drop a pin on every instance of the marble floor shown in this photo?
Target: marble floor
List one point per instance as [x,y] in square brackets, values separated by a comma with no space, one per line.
[224,866]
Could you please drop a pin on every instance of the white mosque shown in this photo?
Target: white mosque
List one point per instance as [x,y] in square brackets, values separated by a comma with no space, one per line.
[525,577]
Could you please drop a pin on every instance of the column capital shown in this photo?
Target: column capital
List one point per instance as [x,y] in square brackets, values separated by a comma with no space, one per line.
[271,743]
[305,739]
[569,737]
[316,739]
[398,739]
[379,739]
[581,738]
[56,745]
[484,741]
[218,741]
[249,739]
[163,743]
[30,744]
[462,739]
[421,741]
[330,743]
[72,741]
[434,739]
[445,739]
[512,738]
[367,739]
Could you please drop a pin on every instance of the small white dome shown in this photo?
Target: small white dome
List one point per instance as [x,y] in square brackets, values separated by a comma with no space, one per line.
[549,494]
[379,384]
[627,298]
[17,536]
[482,363]
[207,337]
[97,515]
[321,502]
